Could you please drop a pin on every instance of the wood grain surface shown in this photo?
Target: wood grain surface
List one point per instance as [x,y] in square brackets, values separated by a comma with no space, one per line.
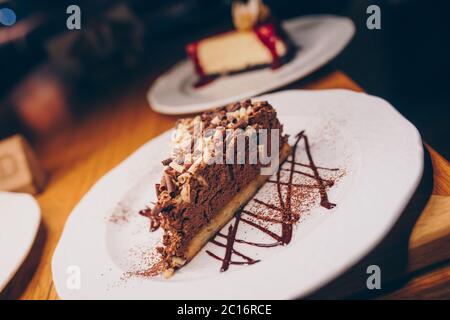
[84,151]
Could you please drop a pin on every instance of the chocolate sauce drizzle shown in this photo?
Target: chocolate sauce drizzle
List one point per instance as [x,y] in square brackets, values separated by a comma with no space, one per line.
[289,216]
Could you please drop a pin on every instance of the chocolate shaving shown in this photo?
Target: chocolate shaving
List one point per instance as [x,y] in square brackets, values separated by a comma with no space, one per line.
[155,223]
[162,186]
[241,124]
[157,189]
[256,108]
[246,103]
[234,107]
[164,199]
[146,212]
[166,161]
[171,188]
[156,209]
[206,117]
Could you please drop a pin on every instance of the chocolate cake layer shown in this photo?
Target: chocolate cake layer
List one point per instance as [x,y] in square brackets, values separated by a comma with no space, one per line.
[194,189]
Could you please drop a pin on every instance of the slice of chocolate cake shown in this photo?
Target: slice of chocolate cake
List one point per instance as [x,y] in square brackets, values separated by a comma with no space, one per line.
[217,163]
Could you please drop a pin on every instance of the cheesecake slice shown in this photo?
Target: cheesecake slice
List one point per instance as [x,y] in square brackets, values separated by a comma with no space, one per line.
[236,51]
[258,41]
[211,173]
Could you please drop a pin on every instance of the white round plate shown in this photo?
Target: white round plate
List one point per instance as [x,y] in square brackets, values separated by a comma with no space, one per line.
[379,151]
[19,222]
[320,38]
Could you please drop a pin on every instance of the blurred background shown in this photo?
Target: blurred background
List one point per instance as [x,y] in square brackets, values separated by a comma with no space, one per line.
[48,73]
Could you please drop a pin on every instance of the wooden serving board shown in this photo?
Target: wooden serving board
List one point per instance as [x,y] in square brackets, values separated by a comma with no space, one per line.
[414,257]
[417,249]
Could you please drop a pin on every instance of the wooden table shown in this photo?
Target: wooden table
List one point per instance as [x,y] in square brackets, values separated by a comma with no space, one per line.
[81,154]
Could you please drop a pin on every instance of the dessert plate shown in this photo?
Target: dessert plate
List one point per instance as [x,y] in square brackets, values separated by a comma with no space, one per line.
[19,222]
[106,243]
[320,38]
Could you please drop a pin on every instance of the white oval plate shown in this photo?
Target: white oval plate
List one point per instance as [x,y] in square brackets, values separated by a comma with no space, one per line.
[19,222]
[320,39]
[380,151]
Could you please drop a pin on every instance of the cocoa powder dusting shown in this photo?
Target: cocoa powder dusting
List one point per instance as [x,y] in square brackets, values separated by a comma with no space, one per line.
[147,263]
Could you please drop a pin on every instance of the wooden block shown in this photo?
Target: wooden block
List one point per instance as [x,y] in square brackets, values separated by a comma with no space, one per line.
[19,168]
